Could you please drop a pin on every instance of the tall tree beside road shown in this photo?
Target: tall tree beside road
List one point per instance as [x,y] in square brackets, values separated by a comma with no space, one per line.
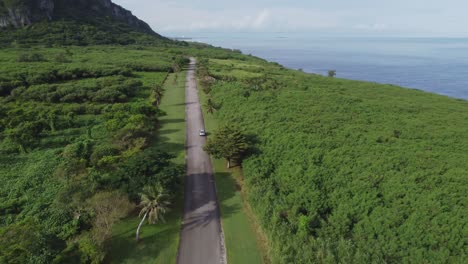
[228,143]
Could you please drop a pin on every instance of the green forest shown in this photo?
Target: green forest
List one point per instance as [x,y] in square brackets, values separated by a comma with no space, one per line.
[337,171]
[346,171]
[79,142]
[77,126]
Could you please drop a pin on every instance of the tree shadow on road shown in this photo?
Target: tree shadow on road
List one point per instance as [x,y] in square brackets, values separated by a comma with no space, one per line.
[206,210]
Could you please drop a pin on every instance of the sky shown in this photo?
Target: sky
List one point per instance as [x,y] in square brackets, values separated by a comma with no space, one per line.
[354,17]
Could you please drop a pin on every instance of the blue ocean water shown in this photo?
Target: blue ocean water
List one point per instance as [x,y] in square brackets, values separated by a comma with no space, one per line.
[438,65]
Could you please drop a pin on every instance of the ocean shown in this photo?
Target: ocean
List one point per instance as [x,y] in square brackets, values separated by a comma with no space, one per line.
[438,65]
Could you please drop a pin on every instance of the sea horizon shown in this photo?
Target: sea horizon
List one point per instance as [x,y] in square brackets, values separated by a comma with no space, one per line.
[433,64]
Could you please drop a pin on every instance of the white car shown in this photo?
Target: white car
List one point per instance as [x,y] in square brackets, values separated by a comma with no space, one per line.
[202,133]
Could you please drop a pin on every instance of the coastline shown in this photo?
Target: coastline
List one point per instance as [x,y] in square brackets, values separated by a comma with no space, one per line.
[436,67]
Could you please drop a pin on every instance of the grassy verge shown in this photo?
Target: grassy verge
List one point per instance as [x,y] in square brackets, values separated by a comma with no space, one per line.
[245,242]
[159,243]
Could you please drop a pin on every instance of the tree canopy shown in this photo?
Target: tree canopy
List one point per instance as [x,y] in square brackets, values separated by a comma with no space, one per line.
[229,143]
[348,171]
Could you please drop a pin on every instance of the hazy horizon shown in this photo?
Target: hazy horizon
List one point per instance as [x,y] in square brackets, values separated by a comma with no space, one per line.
[418,18]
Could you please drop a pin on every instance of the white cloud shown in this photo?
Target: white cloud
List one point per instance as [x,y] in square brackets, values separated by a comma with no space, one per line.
[261,19]
[273,19]
[169,16]
[304,19]
[372,27]
[431,16]
[201,20]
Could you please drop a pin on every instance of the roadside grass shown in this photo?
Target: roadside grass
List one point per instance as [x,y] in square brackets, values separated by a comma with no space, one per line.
[172,131]
[240,70]
[244,239]
[159,243]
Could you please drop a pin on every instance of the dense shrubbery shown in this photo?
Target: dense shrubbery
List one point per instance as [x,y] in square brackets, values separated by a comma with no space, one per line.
[25,78]
[149,67]
[350,172]
[33,57]
[103,90]
[77,130]
[76,149]
[345,171]
[92,32]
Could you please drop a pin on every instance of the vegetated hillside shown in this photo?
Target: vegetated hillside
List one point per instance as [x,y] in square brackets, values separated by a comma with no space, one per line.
[78,130]
[21,13]
[67,22]
[99,31]
[348,171]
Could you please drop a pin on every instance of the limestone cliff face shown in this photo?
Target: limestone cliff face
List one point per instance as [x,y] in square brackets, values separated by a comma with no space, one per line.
[20,13]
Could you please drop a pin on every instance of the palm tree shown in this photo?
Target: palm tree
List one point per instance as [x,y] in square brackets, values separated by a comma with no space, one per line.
[158,93]
[154,201]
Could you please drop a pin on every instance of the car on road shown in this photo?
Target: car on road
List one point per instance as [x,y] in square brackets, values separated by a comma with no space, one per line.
[202,133]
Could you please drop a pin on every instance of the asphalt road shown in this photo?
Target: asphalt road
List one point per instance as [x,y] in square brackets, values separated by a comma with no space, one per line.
[201,239]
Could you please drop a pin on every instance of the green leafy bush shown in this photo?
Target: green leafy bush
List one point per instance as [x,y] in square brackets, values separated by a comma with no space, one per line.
[103,151]
[81,150]
[62,58]
[33,57]
[350,172]
[69,128]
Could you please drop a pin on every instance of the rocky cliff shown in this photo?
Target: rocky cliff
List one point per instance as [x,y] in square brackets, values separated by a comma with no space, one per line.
[20,13]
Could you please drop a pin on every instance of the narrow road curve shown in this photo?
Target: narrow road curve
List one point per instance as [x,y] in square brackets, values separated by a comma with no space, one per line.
[201,239]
